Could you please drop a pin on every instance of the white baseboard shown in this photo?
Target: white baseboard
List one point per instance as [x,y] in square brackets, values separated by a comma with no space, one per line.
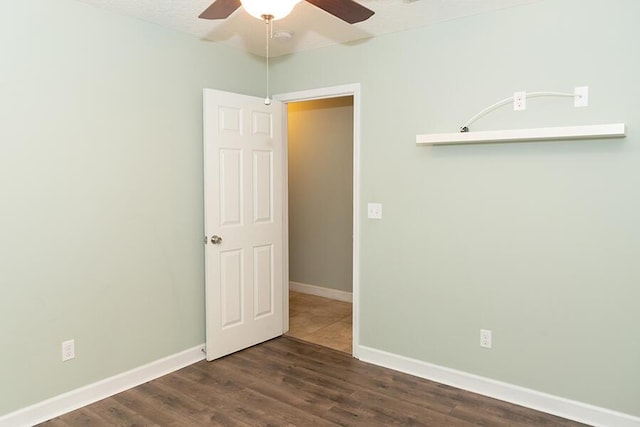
[550,404]
[321,292]
[91,393]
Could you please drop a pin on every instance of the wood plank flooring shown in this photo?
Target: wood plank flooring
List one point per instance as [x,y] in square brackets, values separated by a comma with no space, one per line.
[322,321]
[287,382]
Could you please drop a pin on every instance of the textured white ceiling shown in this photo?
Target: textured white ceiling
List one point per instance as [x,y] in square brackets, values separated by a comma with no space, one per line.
[311,27]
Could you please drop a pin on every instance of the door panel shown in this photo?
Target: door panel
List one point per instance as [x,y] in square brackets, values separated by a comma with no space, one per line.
[231,187]
[262,186]
[262,124]
[243,206]
[231,287]
[263,280]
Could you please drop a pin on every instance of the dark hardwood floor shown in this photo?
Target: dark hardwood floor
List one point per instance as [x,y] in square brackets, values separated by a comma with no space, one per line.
[286,382]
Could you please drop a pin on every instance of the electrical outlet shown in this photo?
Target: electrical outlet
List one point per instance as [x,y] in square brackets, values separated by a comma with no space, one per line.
[581,98]
[374,210]
[68,350]
[485,338]
[519,101]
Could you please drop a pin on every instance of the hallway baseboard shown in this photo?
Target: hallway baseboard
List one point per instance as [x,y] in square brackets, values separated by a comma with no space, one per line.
[320,291]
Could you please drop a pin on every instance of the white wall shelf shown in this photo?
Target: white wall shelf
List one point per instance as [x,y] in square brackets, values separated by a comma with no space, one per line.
[615,130]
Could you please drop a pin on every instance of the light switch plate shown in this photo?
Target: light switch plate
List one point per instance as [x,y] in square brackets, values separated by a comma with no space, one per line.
[374,210]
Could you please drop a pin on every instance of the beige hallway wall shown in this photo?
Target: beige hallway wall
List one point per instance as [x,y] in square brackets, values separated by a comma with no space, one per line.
[321,192]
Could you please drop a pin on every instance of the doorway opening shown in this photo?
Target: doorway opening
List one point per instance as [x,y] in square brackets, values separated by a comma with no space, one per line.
[320,206]
[324,279]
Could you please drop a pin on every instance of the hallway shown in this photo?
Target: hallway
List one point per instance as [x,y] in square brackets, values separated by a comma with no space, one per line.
[321,321]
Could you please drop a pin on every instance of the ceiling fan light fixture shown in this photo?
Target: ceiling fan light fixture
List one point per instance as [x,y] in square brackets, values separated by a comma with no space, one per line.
[276,8]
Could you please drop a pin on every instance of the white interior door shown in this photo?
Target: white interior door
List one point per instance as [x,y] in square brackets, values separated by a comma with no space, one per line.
[243,221]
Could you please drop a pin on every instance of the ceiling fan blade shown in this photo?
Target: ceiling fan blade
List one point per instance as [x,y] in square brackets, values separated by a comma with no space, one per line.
[347,10]
[220,9]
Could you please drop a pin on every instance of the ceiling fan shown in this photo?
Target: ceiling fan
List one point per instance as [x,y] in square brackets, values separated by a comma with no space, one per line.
[347,10]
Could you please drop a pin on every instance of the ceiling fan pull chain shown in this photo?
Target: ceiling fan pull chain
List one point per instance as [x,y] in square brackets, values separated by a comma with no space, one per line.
[268,20]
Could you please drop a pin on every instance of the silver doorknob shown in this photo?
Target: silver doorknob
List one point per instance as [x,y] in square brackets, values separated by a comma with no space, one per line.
[216,240]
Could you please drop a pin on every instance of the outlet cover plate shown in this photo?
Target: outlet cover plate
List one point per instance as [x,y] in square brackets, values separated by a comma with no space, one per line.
[485,338]
[374,210]
[68,350]
[581,96]
[519,101]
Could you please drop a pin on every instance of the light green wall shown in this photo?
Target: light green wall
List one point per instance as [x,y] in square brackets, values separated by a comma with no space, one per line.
[321,192]
[101,190]
[539,242]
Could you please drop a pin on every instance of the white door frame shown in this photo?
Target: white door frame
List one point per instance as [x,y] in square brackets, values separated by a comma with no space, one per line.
[308,95]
